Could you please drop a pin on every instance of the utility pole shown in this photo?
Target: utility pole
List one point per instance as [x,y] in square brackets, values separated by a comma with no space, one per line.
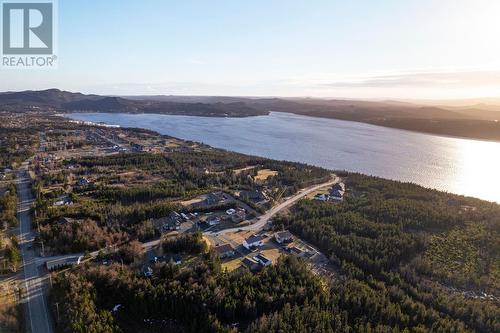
[57,310]
[43,251]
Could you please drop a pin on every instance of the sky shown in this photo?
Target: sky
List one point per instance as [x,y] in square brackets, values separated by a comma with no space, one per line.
[432,49]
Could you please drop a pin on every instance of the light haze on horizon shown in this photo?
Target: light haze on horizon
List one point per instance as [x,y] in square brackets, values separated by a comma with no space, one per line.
[355,49]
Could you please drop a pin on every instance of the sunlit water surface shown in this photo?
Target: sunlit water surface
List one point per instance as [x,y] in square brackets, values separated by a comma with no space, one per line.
[468,167]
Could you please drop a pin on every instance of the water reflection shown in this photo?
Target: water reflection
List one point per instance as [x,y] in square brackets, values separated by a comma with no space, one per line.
[460,166]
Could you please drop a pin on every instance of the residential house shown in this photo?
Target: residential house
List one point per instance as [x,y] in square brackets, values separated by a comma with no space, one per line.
[65,220]
[251,264]
[175,259]
[83,182]
[322,197]
[147,271]
[307,253]
[253,196]
[339,186]
[264,261]
[253,242]
[63,262]
[168,223]
[283,237]
[225,251]
[239,215]
[216,198]
[212,199]
[296,251]
[337,192]
[213,220]
[64,201]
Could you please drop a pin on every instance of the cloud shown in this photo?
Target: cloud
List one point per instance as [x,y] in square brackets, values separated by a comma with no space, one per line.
[422,79]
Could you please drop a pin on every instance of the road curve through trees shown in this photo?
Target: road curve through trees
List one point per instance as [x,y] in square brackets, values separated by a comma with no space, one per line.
[262,220]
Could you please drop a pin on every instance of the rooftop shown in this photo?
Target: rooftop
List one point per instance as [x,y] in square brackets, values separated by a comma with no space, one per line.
[284,234]
[224,248]
[253,239]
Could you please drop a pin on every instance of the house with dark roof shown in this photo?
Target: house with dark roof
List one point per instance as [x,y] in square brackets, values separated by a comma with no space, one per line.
[83,182]
[65,220]
[213,220]
[147,271]
[63,262]
[253,242]
[254,196]
[212,199]
[322,197]
[168,223]
[263,260]
[251,264]
[225,251]
[337,192]
[176,259]
[239,215]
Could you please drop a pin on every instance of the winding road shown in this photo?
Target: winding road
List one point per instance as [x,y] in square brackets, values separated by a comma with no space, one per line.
[263,219]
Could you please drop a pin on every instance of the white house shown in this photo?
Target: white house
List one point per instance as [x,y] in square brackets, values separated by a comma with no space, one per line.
[213,220]
[261,259]
[322,197]
[283,237]
[253,241]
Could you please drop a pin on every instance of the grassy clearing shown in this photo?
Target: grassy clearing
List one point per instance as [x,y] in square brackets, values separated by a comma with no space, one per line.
[231,265]
[263,174]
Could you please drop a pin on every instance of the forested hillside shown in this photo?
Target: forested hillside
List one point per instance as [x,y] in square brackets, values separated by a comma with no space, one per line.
[410,257]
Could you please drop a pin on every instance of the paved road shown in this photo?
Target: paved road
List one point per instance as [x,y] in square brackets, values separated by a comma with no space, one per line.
[256,226]
[38,319]
[263,219]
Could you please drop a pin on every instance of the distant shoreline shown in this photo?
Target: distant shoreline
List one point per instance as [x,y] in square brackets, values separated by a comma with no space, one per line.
[405,124]
[427,159]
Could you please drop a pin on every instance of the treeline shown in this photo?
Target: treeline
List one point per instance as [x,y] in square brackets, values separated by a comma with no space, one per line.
[8,207]
[80,236]
[10,254]
[97,223]
[380,238]
[187,243]
[16,145]
[200,298]
[285,297]
[186,174]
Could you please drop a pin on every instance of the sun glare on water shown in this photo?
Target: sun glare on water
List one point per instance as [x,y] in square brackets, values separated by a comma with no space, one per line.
[478,169]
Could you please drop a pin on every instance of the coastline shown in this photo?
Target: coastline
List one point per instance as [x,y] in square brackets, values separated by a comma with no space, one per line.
[349,169]
[367,121]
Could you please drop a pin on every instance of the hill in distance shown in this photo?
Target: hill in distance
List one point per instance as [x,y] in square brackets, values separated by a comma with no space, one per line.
[476,121]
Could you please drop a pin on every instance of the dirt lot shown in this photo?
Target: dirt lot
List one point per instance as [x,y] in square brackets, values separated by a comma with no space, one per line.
[238,171]
[263,174]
